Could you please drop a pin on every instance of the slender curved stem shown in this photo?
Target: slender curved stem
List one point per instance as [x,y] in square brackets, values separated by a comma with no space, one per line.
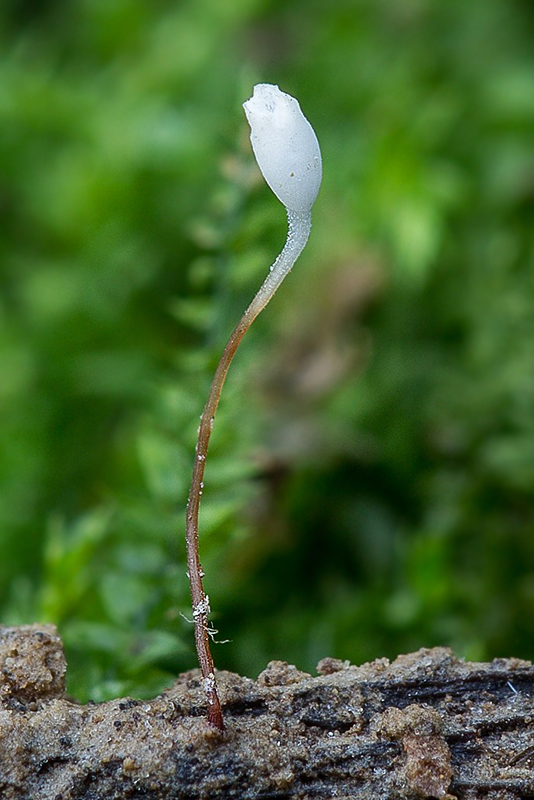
[299,226]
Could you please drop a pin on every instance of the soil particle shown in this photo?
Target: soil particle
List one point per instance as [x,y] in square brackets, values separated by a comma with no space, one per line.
[327,666]
[426,769]
[32,664]
[279,673]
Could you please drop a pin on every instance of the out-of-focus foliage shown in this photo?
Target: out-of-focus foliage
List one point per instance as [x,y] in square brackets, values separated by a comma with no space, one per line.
[370,486]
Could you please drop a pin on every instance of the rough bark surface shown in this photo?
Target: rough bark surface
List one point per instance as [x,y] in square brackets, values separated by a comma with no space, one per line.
[424,726]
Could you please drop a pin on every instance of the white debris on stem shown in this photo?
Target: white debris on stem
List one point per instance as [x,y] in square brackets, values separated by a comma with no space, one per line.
[208,684]
[202,608]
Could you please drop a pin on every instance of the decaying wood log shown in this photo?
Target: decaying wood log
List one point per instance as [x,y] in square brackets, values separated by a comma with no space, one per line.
[424,726]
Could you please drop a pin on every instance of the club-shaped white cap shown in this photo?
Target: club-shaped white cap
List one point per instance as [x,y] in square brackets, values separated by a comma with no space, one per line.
[285,147]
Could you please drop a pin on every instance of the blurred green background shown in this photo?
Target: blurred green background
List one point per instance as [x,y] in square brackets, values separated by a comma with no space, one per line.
[370,486]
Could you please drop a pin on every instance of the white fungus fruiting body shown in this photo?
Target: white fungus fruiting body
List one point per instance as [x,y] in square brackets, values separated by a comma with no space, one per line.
[288,155]
[285,146]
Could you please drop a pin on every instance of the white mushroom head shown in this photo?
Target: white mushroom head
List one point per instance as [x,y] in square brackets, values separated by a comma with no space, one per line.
[285,147]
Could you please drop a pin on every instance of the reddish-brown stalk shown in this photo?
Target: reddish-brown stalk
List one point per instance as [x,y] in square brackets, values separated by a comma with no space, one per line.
[198,596]
[298,232]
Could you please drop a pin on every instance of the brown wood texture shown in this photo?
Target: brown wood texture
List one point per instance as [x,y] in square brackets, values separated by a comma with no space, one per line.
[426,725]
